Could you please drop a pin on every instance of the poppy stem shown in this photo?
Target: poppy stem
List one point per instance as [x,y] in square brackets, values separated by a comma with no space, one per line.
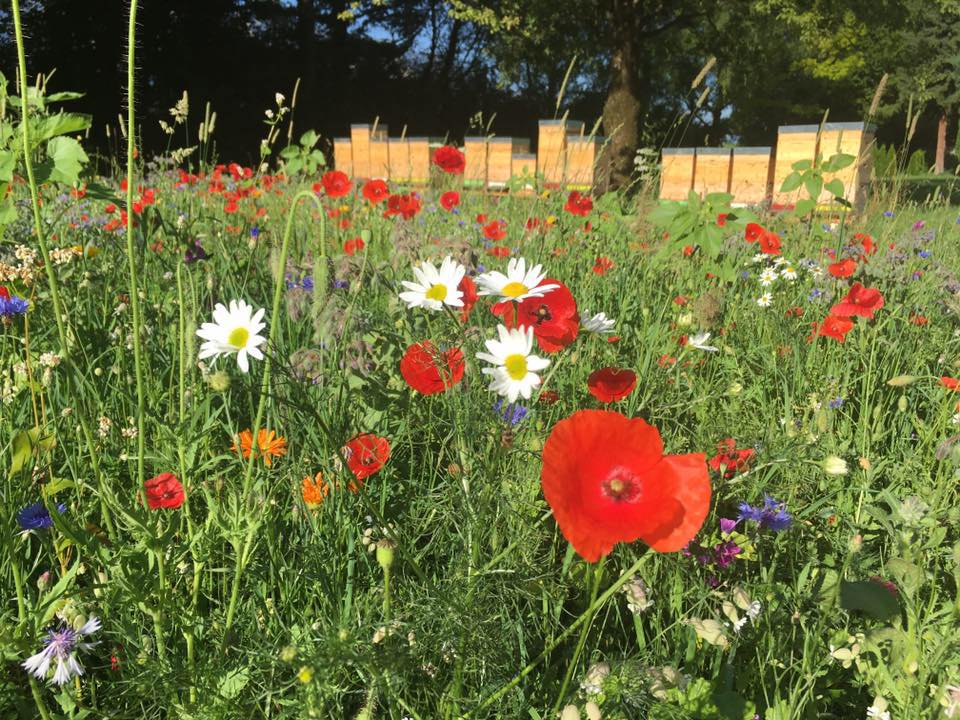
[595,572]
[588,614]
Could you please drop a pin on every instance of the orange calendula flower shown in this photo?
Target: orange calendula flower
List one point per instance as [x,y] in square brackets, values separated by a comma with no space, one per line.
[314,490]
[269,444]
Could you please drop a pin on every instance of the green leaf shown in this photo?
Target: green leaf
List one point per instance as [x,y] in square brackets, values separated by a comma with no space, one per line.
[869,597]
[835,187]
[8,211]
[813,185]
[838,162]
[901,380]
[719,198]
[23,445]
[805,206]
[59,124]
[791,182]
[65,160]
[309,139]
[290,152]
[233,682]
[8,161]
[49,601]
[802,165]
[63,96]
[662,215]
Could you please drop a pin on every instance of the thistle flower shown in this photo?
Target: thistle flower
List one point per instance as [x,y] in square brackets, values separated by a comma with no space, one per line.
[61,645]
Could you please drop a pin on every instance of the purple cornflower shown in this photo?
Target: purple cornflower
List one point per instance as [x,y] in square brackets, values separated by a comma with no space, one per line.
[772,515]
[307,283]
[727,525]
[748,512]
[888,213]
[254,232]
[35,516]
[924,254]
[836,403]
[195,253]
[12,306]
[815,293]
[61,645]
[340,284]
[512,414]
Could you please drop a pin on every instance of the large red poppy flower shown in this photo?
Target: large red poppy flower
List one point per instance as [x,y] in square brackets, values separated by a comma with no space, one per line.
[470,296]
[578,204]
[429,371]
[860,300]
[450,160]
[610,384]
[769,243]
[843,269]
[833,327]
[366,454]
[376,191]
[164,491]
[869,248]
[553,317]
[753,232]
[407,206]
[449,200]
[607,481]
[731,459]
[336,184]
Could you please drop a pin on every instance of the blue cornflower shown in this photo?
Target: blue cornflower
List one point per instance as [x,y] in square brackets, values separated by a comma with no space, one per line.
[836,403]
[774,515]
[512,414]
[254,232]
[888,213]
[745,274]
[35,516]
[924,254]
[340,284]
[815,293]
[748,512]
[12,306]
[307,283]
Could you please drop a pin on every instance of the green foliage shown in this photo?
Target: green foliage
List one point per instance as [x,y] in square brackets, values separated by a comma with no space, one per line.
[810,176]
[305,157]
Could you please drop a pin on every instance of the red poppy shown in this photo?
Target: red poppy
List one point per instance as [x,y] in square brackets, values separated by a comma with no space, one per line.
[366,454]
[769,243]
[481,219]
[730,458]
[469,289]
[753,232]
[860,300]
[843,269]
[868,247]
[950,383]
[164,491]
[607,481]
[495,231]
[407,206]
[449,200]
[4,293]
[353,246]
[336,184]
[722,220]
[376,191]
[610,384]
[795,312]
[500,251]
[429,371]
[553,317]
[578,204]
[602,264]
[549,397]
[688,250]
[450,160]
[833,327]
[920,320]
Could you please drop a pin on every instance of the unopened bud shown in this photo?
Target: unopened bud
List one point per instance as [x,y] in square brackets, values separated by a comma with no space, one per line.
[385,553]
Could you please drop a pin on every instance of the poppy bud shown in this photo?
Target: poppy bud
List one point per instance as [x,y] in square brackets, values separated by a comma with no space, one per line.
[385,553]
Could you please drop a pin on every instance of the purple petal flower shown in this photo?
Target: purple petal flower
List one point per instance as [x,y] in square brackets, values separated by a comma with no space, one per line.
[727,525]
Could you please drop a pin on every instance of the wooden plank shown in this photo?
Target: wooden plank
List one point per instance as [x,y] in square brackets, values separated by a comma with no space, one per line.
[552,149]
[676,175]
[500,158]
[851,138]
[750,175]
[794,143]
[343,155]
[712,172]
[421,156]
[475,152]
[583,153]
[360,143]
[400,170]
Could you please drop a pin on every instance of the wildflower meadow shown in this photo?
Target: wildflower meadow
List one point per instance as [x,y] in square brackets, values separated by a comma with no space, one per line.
[281,442]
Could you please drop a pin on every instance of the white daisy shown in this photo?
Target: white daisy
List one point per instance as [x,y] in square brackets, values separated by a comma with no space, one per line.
[518,284]
[699,341]
[768,277]
[435,288]
[233,330]
[789,273]
[598,323]
[515,369]
[778,261]
[765,300]
[759,258]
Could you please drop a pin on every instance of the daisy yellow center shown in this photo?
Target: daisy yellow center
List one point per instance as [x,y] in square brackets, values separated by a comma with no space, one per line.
[437,292]
[238,337]
[514,290]
[516,366]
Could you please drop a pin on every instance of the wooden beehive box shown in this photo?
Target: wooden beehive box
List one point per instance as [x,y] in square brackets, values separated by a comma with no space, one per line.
[475,153]
[794,143]
[712,171]
[583,153]
[552,149]
[343,155]
[500,154]
[850,138]
[524,163]
[400,170]
[380,154]
[360,144]
[751,175]
[676,173]
[421,156]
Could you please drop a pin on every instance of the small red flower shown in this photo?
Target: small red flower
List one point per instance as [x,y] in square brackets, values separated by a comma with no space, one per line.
[366,454]
[730,458]
[920,320]
[469,289]
[611,384]
[164,491]
[353,246]
[495,231]
[753,232]
[795,312]
[769,243]
[429,371]
[578,204]
[407,206]
[602,264]
[722,220]
[868,246]
[4,293]
[500,251]
[450,160]
[376,191]
[843,269]
[607,481]
[687,250]
[553,317]
[833,327]
[860,300]
[336,184]
[950,383]
[449,200]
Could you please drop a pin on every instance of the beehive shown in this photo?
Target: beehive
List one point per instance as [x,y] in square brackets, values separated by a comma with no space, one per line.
[343,155]
[583,153]
[750,175]
[360,148]
[421,154]
[400,170]
[850,138]
[712,171]
[524,163]
[500,154]
[475,152]
[794,143]
[380,154]
[552,149]
[676,173]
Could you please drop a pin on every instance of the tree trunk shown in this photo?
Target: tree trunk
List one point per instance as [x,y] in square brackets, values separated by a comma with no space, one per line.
[621,110]
[941,158]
